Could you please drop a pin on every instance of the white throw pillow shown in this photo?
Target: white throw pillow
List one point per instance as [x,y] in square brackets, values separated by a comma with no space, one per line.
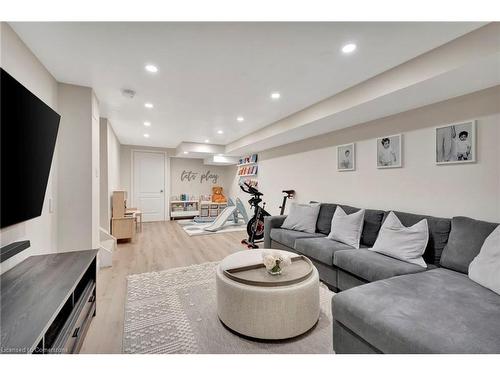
[302,217]
[485,267]
[403,243]
[347,228]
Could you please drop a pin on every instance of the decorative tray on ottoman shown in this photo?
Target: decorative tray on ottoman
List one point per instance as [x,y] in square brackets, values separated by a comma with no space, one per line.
[257,275]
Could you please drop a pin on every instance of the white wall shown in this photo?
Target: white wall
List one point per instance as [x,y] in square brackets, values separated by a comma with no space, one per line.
[78,183]
[114,147]
[95,171]
[420,186]
[104,215]
[109,154]
[20,62]
[196,187]
[126,167]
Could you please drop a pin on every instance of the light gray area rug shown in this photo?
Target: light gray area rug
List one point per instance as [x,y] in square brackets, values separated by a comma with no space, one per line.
[193,228]
[174,311]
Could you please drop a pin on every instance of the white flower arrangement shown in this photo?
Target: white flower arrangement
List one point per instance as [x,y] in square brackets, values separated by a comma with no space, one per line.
[275,261]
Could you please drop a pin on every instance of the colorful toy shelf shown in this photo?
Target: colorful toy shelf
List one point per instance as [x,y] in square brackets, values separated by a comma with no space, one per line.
[248,169]
[184,208]
[185,214]
[211,209]
[247,160]
[245,164]
[190,208]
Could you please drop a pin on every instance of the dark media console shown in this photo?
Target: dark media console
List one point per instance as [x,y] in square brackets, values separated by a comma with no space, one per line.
[47,303]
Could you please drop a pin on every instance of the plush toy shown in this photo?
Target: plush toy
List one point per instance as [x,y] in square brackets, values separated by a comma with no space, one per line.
[217,196]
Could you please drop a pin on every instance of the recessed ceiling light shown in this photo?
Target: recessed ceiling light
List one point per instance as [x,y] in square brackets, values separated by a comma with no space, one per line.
[151,68]
[148,105]
[348,48]
[220,132]
[240,119]
[186,152]
[147,123]
[207,140]
[275,95]
[146,135]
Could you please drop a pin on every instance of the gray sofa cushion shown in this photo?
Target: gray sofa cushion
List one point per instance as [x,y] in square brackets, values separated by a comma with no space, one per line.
[437,311]
[287,237]
[320,249]
[371,225]
[324,223]
[439,230]
[466,238]
[271,222]
[302,217]
[372,266]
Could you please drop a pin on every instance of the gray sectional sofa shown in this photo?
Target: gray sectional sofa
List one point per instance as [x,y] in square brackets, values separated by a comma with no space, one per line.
[386,305]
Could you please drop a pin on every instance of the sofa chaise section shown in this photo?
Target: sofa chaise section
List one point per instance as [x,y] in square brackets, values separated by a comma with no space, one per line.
[437,311]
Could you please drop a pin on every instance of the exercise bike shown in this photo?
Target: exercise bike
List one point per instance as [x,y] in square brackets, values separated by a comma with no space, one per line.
[255,226]
[289,194]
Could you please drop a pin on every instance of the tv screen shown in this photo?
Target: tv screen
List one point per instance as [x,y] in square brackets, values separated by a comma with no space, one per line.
[28,131]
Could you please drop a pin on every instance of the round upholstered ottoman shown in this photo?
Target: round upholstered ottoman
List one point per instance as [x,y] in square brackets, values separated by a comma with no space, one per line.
[256,304]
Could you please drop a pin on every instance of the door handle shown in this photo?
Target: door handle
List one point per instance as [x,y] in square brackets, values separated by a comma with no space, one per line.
[161,191]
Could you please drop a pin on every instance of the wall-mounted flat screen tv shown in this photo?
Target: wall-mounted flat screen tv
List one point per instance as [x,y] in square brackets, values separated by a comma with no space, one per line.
[28,137]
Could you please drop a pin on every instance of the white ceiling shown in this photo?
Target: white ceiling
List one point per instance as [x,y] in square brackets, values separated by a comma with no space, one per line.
[481,74]
[210,73]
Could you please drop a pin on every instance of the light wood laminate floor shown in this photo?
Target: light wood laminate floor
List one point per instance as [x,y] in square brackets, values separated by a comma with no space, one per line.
[160,246]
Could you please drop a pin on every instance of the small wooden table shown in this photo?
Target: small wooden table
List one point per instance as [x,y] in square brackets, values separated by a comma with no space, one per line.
[137,215]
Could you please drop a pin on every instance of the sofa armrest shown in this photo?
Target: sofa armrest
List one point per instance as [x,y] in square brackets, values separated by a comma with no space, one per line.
[271,222]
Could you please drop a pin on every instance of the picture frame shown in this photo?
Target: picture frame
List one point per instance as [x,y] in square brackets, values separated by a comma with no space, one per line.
[455,143]
[346,157]
[390,151]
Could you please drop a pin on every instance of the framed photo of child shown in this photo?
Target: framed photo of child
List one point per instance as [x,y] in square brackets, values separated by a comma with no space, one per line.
[389,151]
[456,143]
[346,157]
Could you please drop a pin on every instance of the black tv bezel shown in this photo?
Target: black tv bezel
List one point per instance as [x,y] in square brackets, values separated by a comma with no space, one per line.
[11,223]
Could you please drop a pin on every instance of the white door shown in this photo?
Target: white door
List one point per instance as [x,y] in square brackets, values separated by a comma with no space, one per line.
[149,184]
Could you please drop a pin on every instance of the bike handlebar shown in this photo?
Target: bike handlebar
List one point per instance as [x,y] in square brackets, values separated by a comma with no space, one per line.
[250,189]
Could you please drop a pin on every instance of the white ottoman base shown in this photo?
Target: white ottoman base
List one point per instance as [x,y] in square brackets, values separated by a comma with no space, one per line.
[270,313]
